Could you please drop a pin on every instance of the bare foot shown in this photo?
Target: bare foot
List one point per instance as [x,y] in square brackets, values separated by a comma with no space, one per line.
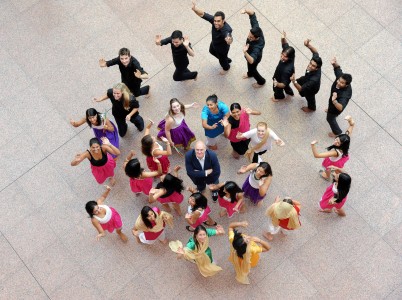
[223,72]
[196,77]
[213,147]
[274,100]
[112,181]
[259,204]
[235,155]
[165,241]
[340,212]
[268,235]
[331,134]
[256,85]
[306,109]
[328,211]
[123,237]
[222,213]
[245,76]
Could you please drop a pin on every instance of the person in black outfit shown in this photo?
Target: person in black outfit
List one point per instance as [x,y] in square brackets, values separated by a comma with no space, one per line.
[131,71]
[341,92]
[221,37]
[180,48]
[255,44]
[309,84]
[283,71]
[124,107]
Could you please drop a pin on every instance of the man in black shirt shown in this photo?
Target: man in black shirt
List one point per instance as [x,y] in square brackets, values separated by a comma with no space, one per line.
[221,36]
[180,48]
[124,107]
[341,92]
[255,44]
[284,71]
[131,71]
[309,84]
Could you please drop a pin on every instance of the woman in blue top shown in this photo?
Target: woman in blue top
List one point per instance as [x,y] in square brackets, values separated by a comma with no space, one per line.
[212,115]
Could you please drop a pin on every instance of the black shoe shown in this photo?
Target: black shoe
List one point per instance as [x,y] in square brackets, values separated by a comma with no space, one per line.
[229,60]
[214,196]
[188,229]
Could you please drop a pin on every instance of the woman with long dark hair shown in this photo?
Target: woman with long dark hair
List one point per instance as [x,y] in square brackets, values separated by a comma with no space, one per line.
[256,185]
[99,155]
[198,212]
[152,223]
[230,198]
[101,126]
[336,194]
[140,180]
[238,122]
[152,149]
[104,217]
[244,251]
[338,153]
[169,191]
[198,251]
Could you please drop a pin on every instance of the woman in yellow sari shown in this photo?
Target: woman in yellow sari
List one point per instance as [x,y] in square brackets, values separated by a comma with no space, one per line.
[152,222]
[244,251]
[198,251]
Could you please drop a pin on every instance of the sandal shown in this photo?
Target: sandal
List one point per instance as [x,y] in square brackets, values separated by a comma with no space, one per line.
[206,224]
[188,229]
[321,172]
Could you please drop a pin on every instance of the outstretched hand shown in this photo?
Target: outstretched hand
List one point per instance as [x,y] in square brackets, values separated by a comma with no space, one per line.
[102,63]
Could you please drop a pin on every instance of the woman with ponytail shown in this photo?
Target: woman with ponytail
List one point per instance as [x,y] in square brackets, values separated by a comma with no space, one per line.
[244,251]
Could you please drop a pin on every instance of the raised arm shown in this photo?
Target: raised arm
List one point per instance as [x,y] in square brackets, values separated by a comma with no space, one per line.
[79,158]
[186,44]
[311,47]
[317,154]
[198,11]
[101,98]
[109,147]
[103,197]
[283,38]
[78,123]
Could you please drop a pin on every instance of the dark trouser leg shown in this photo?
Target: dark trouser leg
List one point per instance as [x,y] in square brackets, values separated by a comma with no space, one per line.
[137,90]
[255,158]
[331,119]
[144,90]
[201,186]
[252,72]
[288,90]
[122,126]
[311,102]
[181,74]
[222,56]
[138,121]
[278,93]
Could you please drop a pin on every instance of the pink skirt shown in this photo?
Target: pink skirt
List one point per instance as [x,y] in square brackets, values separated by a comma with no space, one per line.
[104,172]
[339,163]
[328,195]
[173,198]
[229,206]
[114,222]
[141,185]
[165,163]
[203,218]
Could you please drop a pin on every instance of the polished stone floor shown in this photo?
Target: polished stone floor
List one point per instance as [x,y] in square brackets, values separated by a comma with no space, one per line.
[50,73]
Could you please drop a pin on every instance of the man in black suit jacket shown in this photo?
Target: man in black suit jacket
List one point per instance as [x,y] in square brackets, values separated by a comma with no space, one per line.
[202,166]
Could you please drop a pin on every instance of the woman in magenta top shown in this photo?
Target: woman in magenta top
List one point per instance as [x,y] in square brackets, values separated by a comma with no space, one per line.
[198,212]
[140,180]
[238,122]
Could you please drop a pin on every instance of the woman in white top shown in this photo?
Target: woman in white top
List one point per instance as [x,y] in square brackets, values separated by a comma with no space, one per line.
[104,217]
[261,139]
[256,185]
[174,126]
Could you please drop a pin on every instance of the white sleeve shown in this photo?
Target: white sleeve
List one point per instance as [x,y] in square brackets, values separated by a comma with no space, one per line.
[273,135]
[250,133]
